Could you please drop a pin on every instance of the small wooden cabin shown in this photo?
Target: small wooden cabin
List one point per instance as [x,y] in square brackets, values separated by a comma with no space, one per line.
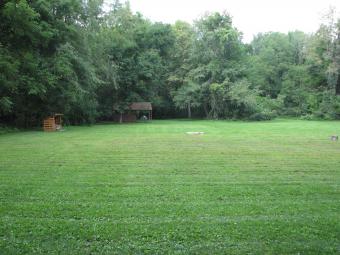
[53,123]
[142,106]
[133,112]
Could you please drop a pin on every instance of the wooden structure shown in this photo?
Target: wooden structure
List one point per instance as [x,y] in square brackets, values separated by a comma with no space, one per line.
[133,111]
[53,123]
[142,106]
[125,117]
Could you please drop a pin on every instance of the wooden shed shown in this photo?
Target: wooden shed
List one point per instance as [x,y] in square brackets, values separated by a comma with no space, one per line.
[133,112]
[142,106]
[53,123]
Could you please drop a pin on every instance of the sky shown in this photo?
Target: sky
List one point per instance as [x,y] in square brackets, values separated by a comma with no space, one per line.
[250,17]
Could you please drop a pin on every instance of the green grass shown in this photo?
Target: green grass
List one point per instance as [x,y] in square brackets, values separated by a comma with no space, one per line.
[149,188]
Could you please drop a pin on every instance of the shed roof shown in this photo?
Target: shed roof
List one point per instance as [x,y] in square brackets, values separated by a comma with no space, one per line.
[141,106]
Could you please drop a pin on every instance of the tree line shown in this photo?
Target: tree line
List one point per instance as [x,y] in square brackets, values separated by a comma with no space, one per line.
[89,62]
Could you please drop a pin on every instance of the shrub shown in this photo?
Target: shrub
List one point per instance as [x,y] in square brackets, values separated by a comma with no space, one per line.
[264,115]
[5,130]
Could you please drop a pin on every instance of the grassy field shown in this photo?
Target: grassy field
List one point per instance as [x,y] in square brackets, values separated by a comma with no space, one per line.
[149,188]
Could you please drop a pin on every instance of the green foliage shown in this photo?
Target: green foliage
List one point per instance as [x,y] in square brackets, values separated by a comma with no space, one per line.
[8,75]
[296,90]
[6,130]
[216,59]
[243,99]
[272,57]
[248,104]
[73,57]
[329,107]
[187,97]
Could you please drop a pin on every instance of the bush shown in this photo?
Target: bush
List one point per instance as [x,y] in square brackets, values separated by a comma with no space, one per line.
[264,115]
[5,130]
[329,107]
[309,117]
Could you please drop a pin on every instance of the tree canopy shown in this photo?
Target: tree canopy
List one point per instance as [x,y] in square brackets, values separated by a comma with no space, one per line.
[73,57]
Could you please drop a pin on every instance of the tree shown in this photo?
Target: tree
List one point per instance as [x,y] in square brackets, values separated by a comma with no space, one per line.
[73,57]
[187,97]
[217,55]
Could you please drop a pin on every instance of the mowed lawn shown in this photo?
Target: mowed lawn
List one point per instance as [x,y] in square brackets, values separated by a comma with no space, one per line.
[149,188]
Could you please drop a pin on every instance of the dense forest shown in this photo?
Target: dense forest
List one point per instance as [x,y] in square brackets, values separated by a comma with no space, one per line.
[89,62]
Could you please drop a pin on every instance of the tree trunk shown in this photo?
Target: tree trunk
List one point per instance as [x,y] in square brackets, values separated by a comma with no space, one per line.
[189,110]
[121,118]
[205,107]
[337,88]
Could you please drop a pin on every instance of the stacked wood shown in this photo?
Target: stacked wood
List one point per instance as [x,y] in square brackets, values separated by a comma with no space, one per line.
[49,124]
[53,123]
